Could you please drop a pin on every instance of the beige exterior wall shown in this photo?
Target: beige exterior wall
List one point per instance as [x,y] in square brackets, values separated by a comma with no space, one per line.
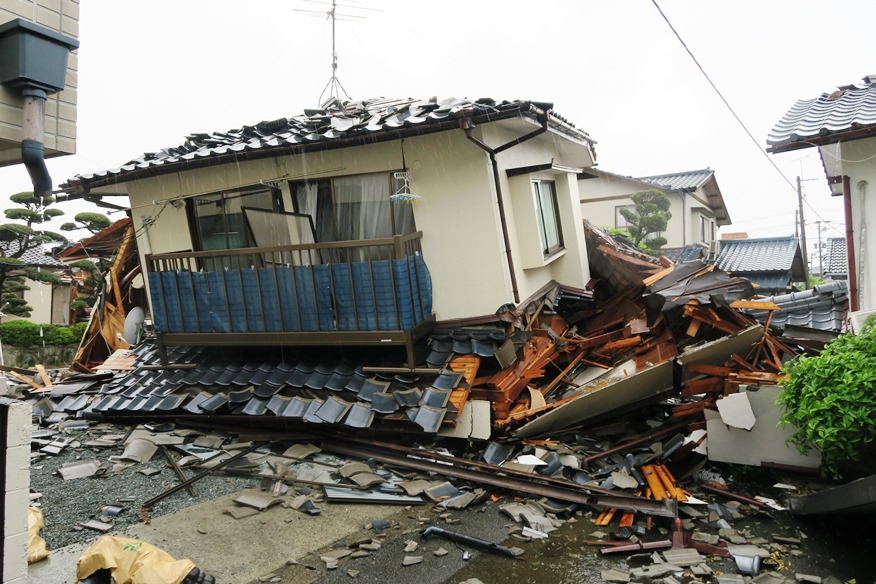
[857,160]
[457,212]
[60,122]
[39,297]
[600,196]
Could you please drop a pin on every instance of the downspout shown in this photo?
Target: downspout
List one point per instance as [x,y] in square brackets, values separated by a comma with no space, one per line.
[32,135]
[467,126]
[862,235]
[850,245]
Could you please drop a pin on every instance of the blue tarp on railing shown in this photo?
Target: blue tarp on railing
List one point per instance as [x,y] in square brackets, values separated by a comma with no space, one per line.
[364,296]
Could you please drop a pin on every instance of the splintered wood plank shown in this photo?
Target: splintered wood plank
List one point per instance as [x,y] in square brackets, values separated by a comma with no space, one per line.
[24,379]
[703,369]
[705,385]
[44,376]
[468,366]
[755,305]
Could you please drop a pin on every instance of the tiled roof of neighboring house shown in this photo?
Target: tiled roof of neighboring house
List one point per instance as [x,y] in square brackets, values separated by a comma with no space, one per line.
[770,254]
[823,307]
[683,254]
[692,180]
[836,257]
[343,124]
[849,112]
[680,181]
[33,257]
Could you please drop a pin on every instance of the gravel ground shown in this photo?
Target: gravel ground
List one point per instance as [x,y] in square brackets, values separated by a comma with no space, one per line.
[66,504]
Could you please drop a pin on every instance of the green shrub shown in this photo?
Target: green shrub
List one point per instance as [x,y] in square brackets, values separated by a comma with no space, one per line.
[831,399]
[22,333]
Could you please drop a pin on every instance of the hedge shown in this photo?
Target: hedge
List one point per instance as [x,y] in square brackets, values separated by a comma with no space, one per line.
[22,333]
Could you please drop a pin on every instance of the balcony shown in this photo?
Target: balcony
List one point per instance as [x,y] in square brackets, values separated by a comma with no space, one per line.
[370,292]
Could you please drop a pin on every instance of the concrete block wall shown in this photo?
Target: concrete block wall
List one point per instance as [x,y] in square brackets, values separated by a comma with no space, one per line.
[15,462]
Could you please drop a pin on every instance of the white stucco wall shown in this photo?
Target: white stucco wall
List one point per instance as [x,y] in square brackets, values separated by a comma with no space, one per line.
[857,160]
[457,211]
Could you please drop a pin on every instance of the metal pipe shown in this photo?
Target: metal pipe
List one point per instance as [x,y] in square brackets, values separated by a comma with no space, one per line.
[467,126]
[850,244]
[33,152]
[474,542]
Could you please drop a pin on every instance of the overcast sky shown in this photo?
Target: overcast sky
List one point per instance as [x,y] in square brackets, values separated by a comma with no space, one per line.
[149,74]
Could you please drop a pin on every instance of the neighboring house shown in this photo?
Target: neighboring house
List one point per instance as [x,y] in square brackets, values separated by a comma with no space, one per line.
[842,126]
[50,303]
[697,209]
[836,259]
[29,29]
[356,224]
[772,263]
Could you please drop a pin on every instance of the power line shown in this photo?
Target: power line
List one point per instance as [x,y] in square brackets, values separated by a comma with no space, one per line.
[730,108]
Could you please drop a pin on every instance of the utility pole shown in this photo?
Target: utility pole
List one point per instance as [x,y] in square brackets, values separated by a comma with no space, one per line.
[802,233]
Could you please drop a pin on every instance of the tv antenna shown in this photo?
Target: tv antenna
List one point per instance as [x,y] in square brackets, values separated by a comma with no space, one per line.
[334,87]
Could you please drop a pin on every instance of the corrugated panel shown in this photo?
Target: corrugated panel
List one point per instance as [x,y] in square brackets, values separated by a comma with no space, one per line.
[770,281]
[680,181]
[758,255]
[849,108]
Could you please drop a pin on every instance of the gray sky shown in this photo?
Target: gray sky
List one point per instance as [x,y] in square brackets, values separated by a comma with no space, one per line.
[152,73]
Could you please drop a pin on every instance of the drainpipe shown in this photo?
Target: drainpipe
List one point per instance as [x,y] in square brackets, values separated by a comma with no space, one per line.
[467,126]
[32,134]
[33,59]
[850,244]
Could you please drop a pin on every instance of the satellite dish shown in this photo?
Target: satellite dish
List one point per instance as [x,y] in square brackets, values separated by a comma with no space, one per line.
[134,325]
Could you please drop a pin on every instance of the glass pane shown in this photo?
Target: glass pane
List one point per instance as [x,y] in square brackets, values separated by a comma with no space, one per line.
[314,198]
[362,207]
[210,220]
[549,213]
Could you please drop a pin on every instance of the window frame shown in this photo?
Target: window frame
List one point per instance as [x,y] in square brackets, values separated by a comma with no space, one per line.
[548,248]
[195,223]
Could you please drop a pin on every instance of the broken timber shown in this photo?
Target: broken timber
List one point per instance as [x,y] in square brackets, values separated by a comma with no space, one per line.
[580,495]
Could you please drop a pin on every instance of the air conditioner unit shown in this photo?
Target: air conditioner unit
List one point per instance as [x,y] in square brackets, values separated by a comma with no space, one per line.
[859,319]
[713,250]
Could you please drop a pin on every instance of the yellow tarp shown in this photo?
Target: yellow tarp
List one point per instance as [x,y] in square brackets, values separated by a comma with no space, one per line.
[36,545]
[132,561]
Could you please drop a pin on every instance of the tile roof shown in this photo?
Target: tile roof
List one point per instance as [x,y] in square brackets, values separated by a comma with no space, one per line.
[827,119]
[770,281]
[680,181]
[692,180]
[285,387]
[33,257]
[359,122]
[836,257]
[770,254]
[823,307]
[683,254]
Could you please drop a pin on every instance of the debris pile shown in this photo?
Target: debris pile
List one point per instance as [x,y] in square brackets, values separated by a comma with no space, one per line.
[602,405]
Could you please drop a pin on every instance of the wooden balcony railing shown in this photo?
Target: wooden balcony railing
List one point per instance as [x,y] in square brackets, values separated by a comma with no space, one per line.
[299,294]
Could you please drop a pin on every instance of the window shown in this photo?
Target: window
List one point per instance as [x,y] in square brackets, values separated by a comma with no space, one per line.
[619,220]
[547,212]
[219,221]
[707,229]
[353,208]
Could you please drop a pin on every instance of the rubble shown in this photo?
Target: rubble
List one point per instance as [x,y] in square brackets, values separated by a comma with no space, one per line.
[569,408]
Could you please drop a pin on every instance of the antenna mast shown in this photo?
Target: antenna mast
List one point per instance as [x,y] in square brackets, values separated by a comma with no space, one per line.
[334,83]
[334,87]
